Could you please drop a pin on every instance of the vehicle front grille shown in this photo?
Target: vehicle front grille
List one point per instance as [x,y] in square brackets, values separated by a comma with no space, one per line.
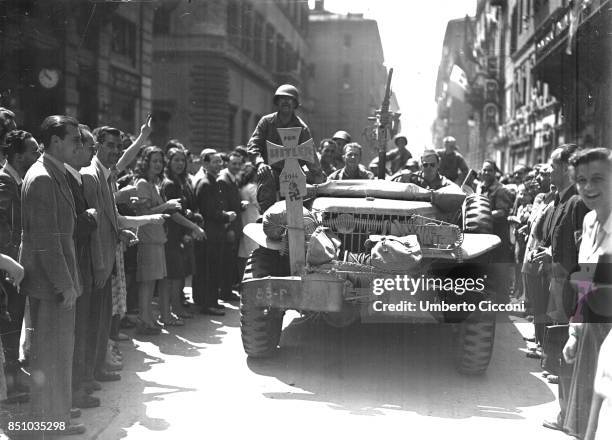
[354,229]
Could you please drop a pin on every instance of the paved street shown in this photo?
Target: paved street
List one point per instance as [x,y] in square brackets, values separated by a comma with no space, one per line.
[369,381]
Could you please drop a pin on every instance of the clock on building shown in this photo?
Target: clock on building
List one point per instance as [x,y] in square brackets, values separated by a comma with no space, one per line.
[48,78]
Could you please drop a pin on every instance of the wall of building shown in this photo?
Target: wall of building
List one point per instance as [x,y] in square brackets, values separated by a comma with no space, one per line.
[81,44]
[348,78]
[229,67]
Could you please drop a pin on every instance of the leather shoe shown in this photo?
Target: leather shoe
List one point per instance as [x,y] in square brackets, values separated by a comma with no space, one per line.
[85,401]
[120,337]
[91,386]
[232,297]
[552,425]
[552,378]
[73,429]
[213,311]
[107,376]
[75,413]
[112,365]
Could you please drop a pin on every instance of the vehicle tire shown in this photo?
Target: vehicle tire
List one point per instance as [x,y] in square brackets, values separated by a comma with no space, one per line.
[474,345]
[261,327]
[477,215]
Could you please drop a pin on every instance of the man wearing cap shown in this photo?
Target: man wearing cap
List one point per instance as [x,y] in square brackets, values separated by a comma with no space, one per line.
[341,138]
[286,99]
[352,169]
[452,163]
[398,157]
[428,177]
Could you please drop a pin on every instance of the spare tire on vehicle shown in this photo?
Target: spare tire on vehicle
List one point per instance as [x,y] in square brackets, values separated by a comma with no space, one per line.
[476,214]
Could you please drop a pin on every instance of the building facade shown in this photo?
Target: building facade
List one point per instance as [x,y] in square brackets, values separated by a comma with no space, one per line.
[217,64]
[455,114]
[348,75]
[88,60]
[542,78]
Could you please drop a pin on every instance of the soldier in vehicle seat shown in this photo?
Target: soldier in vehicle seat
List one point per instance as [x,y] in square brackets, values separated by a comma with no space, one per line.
[428,177]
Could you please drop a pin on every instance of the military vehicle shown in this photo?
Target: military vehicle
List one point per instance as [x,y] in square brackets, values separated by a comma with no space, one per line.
[453,230]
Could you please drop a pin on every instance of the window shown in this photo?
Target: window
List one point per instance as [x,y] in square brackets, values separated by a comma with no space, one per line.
[161,20]
[122,111]
[247,28]
[258,39]
[89,35]
[246,126]
[270,47]
[346,71]
[233,23]
[231,123]
[347,40]
[514,30]
[124,38]
[281,58]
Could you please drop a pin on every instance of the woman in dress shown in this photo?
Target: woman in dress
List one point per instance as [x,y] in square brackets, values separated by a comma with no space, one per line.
[592,170]
[181,228]
[151,259]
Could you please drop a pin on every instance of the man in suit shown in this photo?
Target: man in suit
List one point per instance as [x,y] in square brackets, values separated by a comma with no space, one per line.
[209,254]
[86,223]
[99,187]
[51,275]
[560,228]
[21,152]
[230,196]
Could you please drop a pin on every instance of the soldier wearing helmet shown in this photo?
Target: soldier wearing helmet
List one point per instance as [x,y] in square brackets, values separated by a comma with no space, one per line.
[341,138]
[286,100]
[452,163]
[398,157]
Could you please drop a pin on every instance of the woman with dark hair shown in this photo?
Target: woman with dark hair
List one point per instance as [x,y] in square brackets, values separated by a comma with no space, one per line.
[250,214]
[151,258]
[182,227]
[591,170]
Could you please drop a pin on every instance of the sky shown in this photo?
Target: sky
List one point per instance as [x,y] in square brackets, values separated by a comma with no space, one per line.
[411,32]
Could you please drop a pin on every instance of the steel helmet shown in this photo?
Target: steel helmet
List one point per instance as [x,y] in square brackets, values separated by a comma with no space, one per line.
[288,90]
[341,134]
[400,136]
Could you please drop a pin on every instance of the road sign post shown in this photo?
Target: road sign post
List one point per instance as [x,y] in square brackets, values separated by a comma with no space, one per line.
[293,188]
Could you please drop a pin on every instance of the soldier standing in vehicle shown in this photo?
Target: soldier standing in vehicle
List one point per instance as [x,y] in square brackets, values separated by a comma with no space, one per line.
[428,177]
[352,168]
[341,138]
[452,163]
[286,99]
[398,157]
[327,150]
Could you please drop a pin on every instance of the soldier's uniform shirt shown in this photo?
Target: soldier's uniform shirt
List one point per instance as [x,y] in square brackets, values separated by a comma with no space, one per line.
[418,179]
[397,159]
[450,163]
[344,174]
[328,170]
[499,199]
[266,130]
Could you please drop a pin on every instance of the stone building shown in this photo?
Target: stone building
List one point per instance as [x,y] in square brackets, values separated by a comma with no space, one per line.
[85,59]
[556,90]
[348,76]
[455,114]
[217,64]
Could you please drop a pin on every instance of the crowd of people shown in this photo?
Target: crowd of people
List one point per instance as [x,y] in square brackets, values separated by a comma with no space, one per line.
[100,231]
